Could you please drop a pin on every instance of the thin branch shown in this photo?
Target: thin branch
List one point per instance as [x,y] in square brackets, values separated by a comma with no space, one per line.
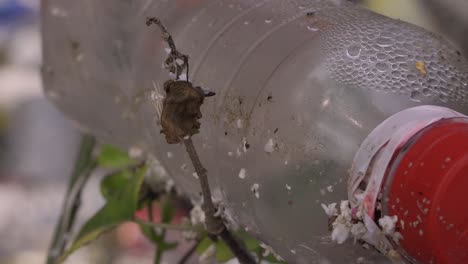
[174,53]
[190,252]
[84,165]
[215,225]
[178,124]
[237,247]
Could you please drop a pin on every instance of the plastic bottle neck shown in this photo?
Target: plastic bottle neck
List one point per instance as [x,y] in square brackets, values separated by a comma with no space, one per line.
[387,179]
[426,188]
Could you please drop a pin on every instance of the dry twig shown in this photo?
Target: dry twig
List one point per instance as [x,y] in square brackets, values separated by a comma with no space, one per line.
[179,121]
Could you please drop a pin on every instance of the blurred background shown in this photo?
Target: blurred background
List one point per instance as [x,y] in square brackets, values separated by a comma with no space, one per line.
[38,145]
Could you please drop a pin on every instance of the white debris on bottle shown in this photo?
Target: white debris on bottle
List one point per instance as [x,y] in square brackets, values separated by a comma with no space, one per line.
[238,152]
[397,236]
[183,76]
[239,123]
[218,197]
[345,210]
[359,197]
[208,255]
[188,234]
[269,146]
[219,210]
[197,216]
[254,188]
[360,260]
[330,188]
[170,155]
[388,224]
[343,224]
[179,62]
[229,218]
[269,250]
[162,175]
[340,233]
[242,173]
[244,144]
[135,152]
[169,185]
[358,231]
[288,187]
[230,154]
[322,192]
[195,175]
[330,209]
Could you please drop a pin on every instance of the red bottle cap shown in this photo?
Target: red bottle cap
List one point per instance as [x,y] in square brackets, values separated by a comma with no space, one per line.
[428,191]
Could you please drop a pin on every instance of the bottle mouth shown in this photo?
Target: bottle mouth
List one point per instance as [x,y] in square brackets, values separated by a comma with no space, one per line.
[427,189]
[412,171]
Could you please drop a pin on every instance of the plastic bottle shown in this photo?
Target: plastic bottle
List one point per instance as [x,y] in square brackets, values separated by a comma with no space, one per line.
[300,85]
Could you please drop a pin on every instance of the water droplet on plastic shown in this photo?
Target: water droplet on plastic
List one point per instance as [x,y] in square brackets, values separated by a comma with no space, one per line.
[312,28]
[353,51]
[384,42]
[443,98]
[382,66]
[426,92]
[411,77]
[415,96]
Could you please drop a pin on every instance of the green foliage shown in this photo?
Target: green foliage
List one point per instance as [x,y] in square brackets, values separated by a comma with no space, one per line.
[158,238]
[114,158]
[223,253]
[122,190]
[120,207]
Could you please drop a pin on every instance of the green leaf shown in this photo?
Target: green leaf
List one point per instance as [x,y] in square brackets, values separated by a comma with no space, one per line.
[251,243]
[167,245]
[168,211]
[114,158]
[84,166]
[149,233]
[223,252]
[113,184]
[204,245]
[272,259]
[120,207]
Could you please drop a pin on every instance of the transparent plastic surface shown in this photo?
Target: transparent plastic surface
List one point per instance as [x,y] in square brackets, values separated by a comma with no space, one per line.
[296,96]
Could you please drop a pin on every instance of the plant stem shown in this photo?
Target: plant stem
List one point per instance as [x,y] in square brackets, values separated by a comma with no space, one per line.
[166,226]
[190,252]
[84,165]
[215,225]
[158,250]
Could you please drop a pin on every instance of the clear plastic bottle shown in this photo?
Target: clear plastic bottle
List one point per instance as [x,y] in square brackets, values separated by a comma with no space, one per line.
[300,85]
